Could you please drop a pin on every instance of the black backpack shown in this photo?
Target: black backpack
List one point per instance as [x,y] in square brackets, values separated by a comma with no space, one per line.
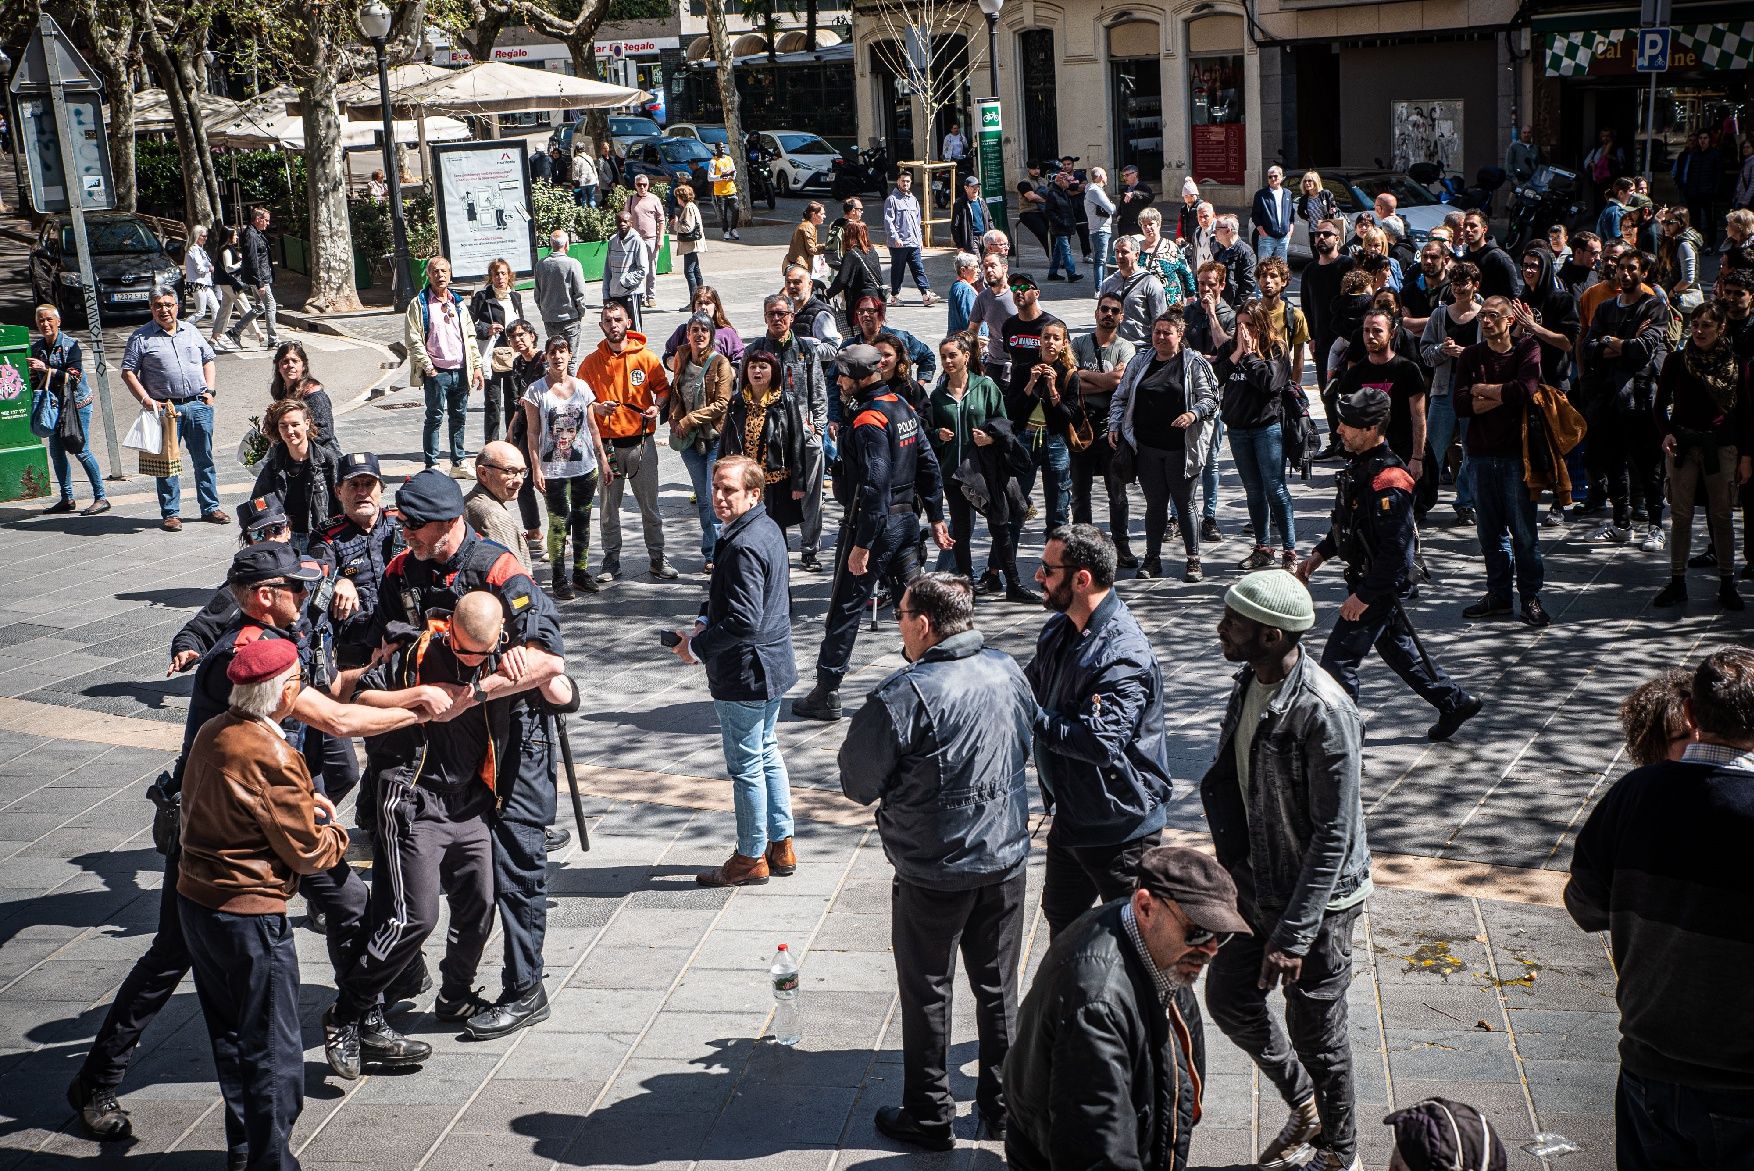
[1298,431]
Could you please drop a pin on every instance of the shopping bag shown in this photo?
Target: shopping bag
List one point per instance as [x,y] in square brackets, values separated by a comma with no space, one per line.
[166,461]
[146,435]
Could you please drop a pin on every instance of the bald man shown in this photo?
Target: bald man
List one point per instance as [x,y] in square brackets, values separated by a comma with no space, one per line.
[500,470]
[435,793]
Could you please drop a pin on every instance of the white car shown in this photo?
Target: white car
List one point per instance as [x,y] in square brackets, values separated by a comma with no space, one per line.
[700,133]
[797,160]
[1354,192]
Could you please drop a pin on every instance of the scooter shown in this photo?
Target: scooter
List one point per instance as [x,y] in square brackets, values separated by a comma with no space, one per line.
[1450,189]
[760,178]
[1549,197]
[866,173]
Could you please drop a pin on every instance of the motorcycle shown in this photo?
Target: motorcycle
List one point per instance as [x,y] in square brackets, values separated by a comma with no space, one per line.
[867,173]
[760,178]
[1550,197]
[1451,190]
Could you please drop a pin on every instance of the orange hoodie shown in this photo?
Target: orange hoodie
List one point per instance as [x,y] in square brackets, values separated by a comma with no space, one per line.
[635,377]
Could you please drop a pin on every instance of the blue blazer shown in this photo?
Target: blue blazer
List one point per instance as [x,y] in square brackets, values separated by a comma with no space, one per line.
[1261,213]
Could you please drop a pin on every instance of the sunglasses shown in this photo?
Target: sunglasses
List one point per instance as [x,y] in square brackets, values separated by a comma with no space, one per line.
[449,639]
[291,587]
[1327,235]
[1193,933]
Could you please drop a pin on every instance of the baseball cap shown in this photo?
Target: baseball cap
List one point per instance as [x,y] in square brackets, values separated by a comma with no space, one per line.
[259,512]
[1368,407]
[262,660]
[360,463]
[428,496]
[1201,887]
[970,181]
[1022,280]
[857,361]
[265,562]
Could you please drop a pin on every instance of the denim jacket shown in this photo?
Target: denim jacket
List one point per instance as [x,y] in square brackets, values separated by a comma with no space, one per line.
[1299,846]
[65,355]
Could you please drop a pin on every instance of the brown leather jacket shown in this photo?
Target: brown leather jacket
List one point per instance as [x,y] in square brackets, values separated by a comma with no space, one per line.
[249,827]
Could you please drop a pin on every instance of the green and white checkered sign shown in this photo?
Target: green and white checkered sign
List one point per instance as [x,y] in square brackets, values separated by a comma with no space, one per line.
[1720,46]
[1570,54]
[1727,45]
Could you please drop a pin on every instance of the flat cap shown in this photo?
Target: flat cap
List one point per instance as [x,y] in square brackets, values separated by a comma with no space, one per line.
[1201,887]
[268,561]
[1368,407]
[261,660]
[858,361]
[428,496]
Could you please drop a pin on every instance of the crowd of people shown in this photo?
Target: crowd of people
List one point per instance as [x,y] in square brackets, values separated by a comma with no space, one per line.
[1581,371]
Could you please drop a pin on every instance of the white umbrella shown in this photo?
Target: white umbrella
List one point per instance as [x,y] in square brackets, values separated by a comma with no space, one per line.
[287,132]
[152,110]
[495,87]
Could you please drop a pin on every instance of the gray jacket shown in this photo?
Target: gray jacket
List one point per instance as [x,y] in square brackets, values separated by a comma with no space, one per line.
[1299,846]
[1203,398]
[560,288]
[624,266]
[1142,301]
[943,744]
[1443,370]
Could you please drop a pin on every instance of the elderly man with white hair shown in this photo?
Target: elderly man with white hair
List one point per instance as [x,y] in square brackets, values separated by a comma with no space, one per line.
[1238,259]
[560,292]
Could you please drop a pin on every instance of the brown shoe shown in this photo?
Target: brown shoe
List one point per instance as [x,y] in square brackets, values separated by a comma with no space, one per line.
[217,517]
[739,871]
[782,860]
[171,524]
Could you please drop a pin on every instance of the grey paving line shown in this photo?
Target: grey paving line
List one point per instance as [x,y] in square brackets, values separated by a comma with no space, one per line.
[1516,1056]
[1382,1027]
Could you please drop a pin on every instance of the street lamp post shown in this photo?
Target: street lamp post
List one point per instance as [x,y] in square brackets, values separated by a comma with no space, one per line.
[992,8]
[374,22]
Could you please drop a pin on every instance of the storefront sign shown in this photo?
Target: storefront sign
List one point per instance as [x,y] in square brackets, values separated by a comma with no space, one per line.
[1582,53]
[484,207]
[990,151]
[1220,154]
[646,47]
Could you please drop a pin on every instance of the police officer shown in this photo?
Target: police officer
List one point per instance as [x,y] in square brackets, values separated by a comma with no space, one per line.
[1373,532]
[260,518]
[355,547]
[269,584]
[884,465]
[444,561]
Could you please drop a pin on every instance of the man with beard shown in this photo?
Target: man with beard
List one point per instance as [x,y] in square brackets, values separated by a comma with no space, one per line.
[1582,267]
[1498,272]
[1424,292]
[943,745]
[1321,288]
[1107,1067]
[993,307]
[1618,359]
[1397,377]
[1101,751]
[812,316]
[1291,740]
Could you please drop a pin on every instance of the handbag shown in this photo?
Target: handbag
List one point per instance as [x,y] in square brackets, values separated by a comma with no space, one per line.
[501,359]
[45,410]
[690,235]
[1080,434]
[146,435]
[166,462]
[1122,462]
[70,428]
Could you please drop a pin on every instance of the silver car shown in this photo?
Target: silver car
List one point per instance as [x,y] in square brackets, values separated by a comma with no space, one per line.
[1356,191]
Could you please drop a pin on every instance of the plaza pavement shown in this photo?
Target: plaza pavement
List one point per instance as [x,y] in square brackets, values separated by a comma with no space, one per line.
[1470,979]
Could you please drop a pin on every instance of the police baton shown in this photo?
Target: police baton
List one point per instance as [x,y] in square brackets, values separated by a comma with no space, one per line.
[1407,625]
[572,777]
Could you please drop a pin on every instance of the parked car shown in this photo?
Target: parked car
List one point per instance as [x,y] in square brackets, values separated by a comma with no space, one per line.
[623,129]
[1355,191]
[127,260]
[700,133]
[669,160]
[797,160]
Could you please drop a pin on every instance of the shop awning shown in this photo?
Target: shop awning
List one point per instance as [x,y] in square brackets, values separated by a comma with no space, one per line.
[1613,52]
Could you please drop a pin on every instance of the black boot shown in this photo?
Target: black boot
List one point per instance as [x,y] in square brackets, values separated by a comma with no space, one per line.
[823,702]
[509,1015]
[383,1045]
[560,585]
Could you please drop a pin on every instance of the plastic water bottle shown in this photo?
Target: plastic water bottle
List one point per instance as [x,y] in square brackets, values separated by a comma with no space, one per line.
[788,1012]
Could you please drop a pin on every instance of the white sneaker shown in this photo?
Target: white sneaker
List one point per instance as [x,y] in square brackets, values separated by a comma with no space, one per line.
[1291,1147]
[1329,1161]
[1553,520]
[1653,539]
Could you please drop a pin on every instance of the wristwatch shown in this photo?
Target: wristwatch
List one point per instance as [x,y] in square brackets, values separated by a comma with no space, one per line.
[475,690]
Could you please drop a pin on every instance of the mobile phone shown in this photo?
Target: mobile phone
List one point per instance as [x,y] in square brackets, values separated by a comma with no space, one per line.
[669,638]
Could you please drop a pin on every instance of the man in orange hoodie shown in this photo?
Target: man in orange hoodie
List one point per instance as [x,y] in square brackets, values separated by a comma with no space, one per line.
[631,389]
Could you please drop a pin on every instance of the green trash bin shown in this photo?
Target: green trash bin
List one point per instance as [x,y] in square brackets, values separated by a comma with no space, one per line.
[24,462]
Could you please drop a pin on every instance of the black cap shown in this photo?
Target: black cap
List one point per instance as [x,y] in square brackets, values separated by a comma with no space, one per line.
[258,512]
[428,496]
[1368,407]
[857,361]
[1021,280]
[266,562]
[1438,1134]
[1201,887]
[360,463]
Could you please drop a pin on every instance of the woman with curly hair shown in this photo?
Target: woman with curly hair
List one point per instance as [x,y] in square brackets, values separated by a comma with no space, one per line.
[767,423]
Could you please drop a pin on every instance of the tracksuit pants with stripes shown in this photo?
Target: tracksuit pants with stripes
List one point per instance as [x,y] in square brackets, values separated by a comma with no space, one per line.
[432,840]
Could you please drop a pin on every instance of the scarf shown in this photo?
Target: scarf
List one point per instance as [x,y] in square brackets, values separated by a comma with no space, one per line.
[1716,370]
[753,426]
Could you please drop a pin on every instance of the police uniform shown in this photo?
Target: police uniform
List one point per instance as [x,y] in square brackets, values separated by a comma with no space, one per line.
[884,466]
[524,785]
[1374,533]
[200,632]
[347,551]
[338,893]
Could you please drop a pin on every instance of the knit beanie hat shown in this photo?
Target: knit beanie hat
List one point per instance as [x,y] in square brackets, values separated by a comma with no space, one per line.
[1440,1135]
[1189,187]
[1273,597]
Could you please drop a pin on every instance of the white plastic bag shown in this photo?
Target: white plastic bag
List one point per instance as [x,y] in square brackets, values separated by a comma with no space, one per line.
[147,433]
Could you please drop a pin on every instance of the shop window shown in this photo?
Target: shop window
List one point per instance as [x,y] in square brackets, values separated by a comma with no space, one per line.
[1041,115]
[1215,119]
[1136,98]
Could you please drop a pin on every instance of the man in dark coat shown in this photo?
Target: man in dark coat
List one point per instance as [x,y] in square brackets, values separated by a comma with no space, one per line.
[1105,1071]
[744,636]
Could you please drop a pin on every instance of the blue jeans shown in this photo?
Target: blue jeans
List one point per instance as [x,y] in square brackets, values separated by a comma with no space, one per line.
[88,461]
[691,271]
[446,391]
[1209,474]
[1053,455]
[1260,461]
[700,474]
[1505,521]
[1062,257]
[1266,246]
[910,259]
[195,439]
[1099,245]
[759,787]
[1442,426]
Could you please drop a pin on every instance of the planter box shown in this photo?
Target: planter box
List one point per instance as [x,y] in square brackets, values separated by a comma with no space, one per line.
[295,256]
[590,257]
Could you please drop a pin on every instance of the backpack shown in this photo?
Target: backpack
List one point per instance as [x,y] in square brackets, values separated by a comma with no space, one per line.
[1298,433]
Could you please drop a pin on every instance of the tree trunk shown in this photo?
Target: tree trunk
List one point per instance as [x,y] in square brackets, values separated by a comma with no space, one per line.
[479,39]
[727,79]
[810,25]
[199,204]
[187,55]
[331,234]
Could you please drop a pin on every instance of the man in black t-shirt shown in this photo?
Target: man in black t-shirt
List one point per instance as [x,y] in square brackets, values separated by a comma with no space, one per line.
[1021,335]
[1396,377]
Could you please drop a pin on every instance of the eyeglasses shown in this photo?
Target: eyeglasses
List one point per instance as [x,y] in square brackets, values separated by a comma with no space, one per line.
[901,612]
[505,471]
[1050,567]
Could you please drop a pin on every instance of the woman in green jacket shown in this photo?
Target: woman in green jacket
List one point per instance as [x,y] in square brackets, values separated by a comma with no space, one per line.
[957,413]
